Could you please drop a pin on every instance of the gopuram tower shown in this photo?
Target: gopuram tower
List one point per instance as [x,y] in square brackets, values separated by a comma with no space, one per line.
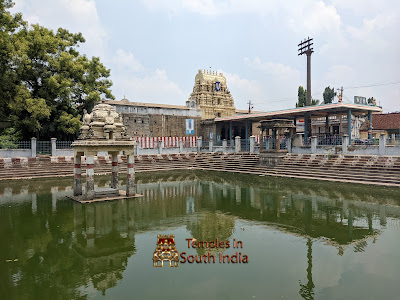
[211,95]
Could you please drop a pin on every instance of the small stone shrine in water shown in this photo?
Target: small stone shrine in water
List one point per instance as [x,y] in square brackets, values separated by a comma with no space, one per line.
[103,131]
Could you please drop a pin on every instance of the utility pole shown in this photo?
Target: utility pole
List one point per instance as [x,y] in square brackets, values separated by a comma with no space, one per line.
[340,97]
[305,48]
[250,106]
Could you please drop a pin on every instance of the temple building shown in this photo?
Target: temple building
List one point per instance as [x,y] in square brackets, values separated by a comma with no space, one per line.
[211,95]
[155,120]
[210,98]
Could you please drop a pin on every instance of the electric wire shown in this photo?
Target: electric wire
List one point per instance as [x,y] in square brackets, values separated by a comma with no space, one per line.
[285,99]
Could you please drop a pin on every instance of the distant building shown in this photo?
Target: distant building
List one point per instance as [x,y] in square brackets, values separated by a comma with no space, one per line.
[211,95]
[153,119]
[338,124]
[210,98]
[382,124]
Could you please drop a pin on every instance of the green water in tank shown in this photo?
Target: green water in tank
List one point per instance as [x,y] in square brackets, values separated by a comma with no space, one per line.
[301,239]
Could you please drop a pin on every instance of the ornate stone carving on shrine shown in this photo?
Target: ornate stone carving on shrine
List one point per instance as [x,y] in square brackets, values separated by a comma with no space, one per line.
[103,131]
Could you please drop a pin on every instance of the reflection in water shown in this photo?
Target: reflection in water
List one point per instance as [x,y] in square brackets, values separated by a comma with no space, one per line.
[209,226]
[104,239]
[73,250]
[307,290]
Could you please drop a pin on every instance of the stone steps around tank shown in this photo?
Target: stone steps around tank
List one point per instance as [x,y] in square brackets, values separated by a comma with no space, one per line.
[306,173]
[342,168]
[371,169]
[346,163]
[356,169]
[342,174]
[61,166]
[346,169]
[357,163]
[69,171]
[324,174]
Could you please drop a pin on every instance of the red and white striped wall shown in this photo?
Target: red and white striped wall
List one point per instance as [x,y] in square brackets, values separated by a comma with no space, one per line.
[146,142]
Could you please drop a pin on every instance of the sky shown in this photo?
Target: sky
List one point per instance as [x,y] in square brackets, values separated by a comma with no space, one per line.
[154,48]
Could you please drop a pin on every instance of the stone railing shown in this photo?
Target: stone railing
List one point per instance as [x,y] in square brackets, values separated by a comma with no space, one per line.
[385,146]
[381,147]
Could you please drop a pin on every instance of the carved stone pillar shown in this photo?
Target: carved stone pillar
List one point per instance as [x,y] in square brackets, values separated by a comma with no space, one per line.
[114,176]
[130,176]
[77,175]
[89,176]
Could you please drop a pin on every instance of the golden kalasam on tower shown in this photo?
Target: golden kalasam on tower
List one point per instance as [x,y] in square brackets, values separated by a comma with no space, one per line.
[211,95]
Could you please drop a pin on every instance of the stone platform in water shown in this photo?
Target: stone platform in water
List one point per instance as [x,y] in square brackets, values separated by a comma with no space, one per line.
[105,194]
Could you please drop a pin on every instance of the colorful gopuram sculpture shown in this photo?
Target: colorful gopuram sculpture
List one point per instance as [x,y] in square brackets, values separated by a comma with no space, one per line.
[211,95]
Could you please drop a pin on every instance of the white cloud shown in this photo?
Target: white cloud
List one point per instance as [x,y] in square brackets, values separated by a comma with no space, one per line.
[271,68]
[312,17]
[373,31]
[366,7]
[307,16]
[141,85]
[278,82]
[74,15]
[242,89]
[338,74]
[154,88]
[126,60]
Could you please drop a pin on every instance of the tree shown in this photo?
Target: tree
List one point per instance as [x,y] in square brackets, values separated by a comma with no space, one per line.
[329,95]
[302,96]
[9,24]
[48,83]
[8,139]
[314,102]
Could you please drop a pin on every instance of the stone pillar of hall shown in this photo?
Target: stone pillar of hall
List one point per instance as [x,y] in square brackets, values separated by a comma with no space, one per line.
[114,176]
[349,125]
[77,174]
[278,140]
[327,123]
[130,175]
[273,139]
[306,121]
[89,176]
[370,125]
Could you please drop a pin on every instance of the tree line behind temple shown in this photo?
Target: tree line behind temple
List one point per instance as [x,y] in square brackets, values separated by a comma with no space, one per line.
[328,96]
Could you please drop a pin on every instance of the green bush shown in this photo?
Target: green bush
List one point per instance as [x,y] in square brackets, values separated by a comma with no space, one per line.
[9,139]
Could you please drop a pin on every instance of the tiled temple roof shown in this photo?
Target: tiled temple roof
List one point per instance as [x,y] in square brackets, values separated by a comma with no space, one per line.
[386,121]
